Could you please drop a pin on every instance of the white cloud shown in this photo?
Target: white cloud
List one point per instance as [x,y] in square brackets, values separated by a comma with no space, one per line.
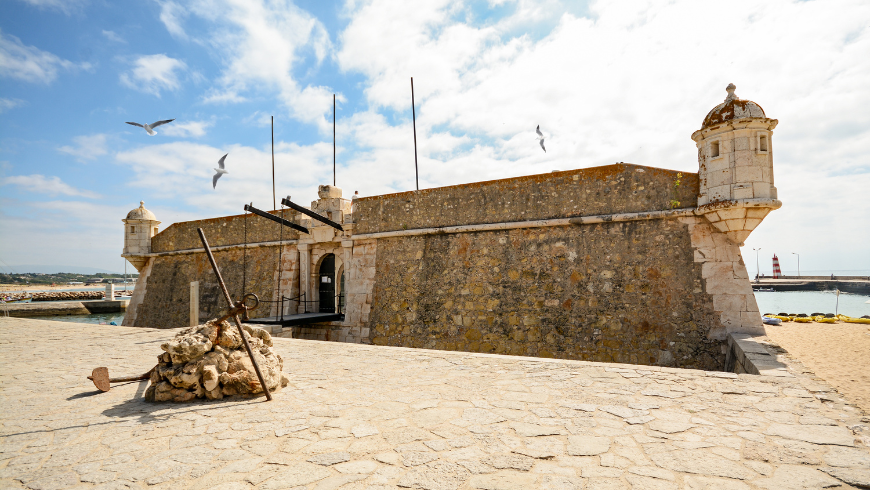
[43,185]
[113,36]
[259,119]
[65,6]
[631,84]
[172,14]
[154,73]
[6,104]
[182,172]
[193,129]
[31,64]
[261,44]
[86,147]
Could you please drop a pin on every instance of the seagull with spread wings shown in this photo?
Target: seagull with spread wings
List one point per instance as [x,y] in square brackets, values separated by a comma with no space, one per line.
[150,127]
[220,171]
[540,137]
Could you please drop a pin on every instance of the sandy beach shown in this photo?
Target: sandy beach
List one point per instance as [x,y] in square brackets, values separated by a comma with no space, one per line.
[838,353]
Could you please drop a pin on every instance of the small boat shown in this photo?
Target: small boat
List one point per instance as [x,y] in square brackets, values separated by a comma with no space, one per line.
[767,290]
[19,300]
[769,320]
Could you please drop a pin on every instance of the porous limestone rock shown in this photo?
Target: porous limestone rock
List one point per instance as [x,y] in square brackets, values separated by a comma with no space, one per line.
[209,361]
[191,343]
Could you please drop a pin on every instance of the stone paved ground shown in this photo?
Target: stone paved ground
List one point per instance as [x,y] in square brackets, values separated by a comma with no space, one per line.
[363,417]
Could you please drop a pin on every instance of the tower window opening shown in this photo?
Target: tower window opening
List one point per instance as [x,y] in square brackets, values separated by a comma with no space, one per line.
[154,232]
[714,149]
[762,142]
[132,229]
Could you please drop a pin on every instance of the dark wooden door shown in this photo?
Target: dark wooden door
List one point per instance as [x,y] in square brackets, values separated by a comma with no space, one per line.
[327,284]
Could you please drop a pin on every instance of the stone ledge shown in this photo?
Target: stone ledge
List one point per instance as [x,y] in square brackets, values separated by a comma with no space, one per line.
[745,355]
[23,310]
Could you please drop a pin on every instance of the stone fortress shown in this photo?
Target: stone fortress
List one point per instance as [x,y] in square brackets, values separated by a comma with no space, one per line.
[620,263]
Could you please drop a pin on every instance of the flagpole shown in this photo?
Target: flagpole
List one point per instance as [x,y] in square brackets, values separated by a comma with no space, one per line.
[414,114]
[273,164]
[333,140]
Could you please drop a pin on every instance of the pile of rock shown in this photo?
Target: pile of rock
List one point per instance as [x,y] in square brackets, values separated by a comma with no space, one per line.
[67,295]
[210,361]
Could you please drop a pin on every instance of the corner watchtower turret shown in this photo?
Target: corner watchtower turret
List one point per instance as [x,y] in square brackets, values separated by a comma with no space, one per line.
[735,166]
[139,226]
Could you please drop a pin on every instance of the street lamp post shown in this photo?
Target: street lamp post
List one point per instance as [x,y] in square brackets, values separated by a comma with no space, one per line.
[799,262]
[757,268]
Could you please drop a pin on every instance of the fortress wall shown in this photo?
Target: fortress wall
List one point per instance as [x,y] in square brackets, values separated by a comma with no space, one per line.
[166,300]
[226,230]
[610,189]
[624,292]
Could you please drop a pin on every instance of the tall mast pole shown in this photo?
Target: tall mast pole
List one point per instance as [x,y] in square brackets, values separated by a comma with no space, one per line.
[414,114]
[333,139]
[274,206]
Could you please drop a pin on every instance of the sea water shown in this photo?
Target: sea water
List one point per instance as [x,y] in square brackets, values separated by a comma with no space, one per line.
[854,305]
[96,318]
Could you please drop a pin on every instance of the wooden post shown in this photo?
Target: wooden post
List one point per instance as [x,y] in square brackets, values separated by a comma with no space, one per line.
[194,303]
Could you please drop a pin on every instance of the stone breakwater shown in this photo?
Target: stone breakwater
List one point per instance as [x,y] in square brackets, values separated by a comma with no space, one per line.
[209,361]
[67,295]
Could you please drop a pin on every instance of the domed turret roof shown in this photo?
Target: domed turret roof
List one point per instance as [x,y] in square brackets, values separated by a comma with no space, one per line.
[732,108]
[141,213]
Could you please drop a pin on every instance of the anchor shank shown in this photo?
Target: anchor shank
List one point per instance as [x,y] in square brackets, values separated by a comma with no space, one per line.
[229,299]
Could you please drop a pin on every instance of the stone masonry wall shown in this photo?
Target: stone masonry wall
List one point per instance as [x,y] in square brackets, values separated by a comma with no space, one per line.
[725,279]
[167,295]
[360,282]
[287,277]
[625,292]
[226,230]
[619,188]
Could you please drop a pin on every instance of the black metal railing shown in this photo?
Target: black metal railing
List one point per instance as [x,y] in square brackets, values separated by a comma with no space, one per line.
[338,302]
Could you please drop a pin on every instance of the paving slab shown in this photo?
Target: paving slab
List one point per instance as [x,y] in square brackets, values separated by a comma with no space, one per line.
[360,417]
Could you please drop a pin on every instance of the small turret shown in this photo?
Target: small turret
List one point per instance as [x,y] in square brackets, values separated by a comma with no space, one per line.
[735,166]
[139,226]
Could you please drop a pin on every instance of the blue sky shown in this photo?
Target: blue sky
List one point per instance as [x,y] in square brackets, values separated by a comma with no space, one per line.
[607,81]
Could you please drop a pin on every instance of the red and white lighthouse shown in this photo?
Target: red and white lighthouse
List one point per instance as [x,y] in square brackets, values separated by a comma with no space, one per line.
[776,272]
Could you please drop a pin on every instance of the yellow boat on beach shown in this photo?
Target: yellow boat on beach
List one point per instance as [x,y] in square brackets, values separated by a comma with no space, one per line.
[849,319]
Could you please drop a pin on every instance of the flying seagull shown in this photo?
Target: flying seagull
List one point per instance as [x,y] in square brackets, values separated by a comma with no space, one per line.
[150,127]
[541,137]
[220,171]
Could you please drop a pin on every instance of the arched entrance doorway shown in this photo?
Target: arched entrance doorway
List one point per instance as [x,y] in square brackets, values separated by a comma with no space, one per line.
[326,282]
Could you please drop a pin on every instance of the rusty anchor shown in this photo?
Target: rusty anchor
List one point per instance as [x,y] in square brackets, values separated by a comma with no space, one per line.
[101,379]
[100,375]
[217,273]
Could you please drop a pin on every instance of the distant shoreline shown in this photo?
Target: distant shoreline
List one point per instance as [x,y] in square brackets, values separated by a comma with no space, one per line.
[61,287]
